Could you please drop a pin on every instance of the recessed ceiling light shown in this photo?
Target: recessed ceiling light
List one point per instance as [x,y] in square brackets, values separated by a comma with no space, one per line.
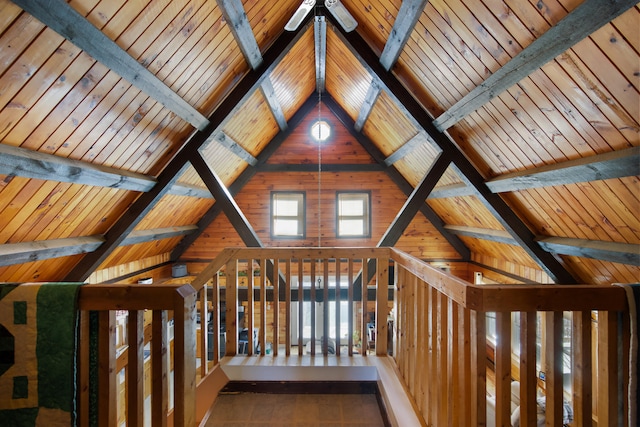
[320,131]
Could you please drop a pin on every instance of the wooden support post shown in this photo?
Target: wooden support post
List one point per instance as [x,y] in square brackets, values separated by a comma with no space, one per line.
[528,374]
[464,362]
[553,367]
[607,368]
[442,359]
[159,369]
[478,369]
[107,393]
[184,315]
[135,369]
[231,322]
[382,306]
[503,369]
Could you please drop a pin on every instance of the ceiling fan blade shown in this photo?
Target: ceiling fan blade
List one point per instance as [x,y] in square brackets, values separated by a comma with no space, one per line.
[299,15]
[341,14]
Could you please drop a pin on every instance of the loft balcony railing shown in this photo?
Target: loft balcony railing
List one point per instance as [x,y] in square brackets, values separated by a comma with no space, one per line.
[450,341]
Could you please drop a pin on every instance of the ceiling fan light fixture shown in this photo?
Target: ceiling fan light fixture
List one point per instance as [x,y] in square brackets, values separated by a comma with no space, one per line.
[299,15]
[341,14]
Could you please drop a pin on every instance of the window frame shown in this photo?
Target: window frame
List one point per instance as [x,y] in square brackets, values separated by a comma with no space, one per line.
[301,217]
[366,217]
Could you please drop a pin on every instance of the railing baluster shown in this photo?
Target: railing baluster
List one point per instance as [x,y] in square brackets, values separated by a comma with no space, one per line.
[350,304]
[528,377]
[478,368]
[553,367]
[363,317]
[262,323]
[382,306]
[135,368]
[249,314]
[287,302]
[107,394]
[300,307]
[325,307]
[503,368]
[454,356]
[275,283]
[607,368]
[581,366]
[313,307]
[231,316]
[159,369]
[204,332]
[215,302]
[338,305]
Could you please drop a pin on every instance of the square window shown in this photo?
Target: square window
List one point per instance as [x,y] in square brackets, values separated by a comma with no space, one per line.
[353,214]
[287,215]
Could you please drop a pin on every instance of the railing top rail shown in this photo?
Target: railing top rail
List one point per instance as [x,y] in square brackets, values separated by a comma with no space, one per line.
[504,298]
[133,296]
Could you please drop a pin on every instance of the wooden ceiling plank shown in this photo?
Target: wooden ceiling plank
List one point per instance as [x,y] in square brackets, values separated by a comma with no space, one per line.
[467,171]
[585,19]
[623,253]
[274,104]
[415,201]
[408,16]
[614,164]
[19,253]
[396,177]
[367,106]
[240,27]
[62,18]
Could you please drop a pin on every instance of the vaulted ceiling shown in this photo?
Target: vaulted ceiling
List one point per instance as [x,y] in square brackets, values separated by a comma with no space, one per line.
[127,127]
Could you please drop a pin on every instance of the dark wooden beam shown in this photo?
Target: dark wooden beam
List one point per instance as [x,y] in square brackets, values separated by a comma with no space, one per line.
[63,19]
[236,18]
[623,253]
[310,167]
[320,43]
[226,201]
[369,101]
[136,212]
[233,146]
[468,173]
[614,164]
[585,19]
[246,176]
[419,139]
[396,177]
[408,15]
[16,161]
[415,201]
[274,105]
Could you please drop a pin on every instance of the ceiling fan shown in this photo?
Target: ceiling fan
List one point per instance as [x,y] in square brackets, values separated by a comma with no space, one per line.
[337,9]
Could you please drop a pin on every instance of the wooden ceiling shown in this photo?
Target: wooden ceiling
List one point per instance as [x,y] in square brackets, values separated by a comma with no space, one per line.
[509,130]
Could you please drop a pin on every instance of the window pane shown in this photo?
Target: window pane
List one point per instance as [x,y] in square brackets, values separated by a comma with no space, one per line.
[286,227]
[351,227]
[286,207]
[352,207]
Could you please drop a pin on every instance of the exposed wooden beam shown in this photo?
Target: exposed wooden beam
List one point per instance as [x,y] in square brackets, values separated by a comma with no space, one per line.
[310,167]
[236,18]
[233,146]
[20,253]
[232,103]
[415,201]
[468,173]
[408,15]
[614,164]
[499,236]
[623,253]
[16,161]
[226,201]
[396,177]
[585,19]
[369,101]
[419,139]
[63,19]
[274,105]
[451,190]
[246,176]
[143,236]
[320,43]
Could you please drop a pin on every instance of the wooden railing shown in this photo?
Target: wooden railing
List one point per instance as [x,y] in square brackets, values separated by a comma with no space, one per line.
[98,401]
[450,365]
[444,354]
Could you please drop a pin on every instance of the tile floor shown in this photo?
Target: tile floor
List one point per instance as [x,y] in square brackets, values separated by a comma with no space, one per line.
[289,410]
